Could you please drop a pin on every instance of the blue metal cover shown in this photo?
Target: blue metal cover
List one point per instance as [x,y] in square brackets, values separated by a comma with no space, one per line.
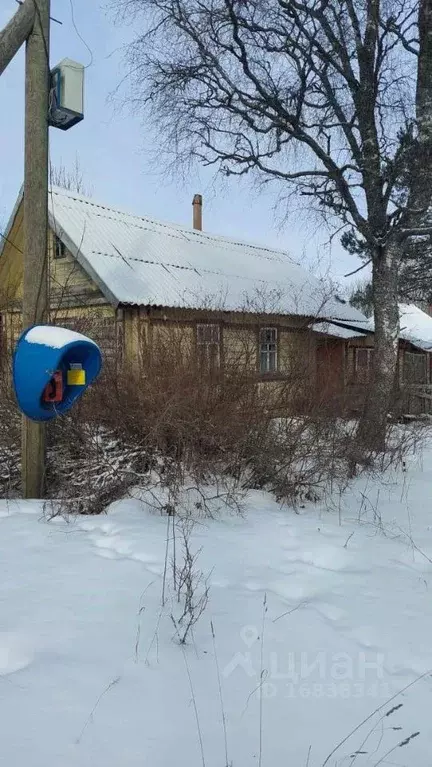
[43,350]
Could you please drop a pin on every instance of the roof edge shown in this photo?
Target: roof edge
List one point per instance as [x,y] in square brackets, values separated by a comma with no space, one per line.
[77,253]
[70,244]
[349,325]
[10,223]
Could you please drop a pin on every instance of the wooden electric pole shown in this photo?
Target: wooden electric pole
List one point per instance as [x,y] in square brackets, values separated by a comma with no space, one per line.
[35,280]
[15,33]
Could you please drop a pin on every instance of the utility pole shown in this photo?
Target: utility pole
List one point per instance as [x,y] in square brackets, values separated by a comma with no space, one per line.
[35,279]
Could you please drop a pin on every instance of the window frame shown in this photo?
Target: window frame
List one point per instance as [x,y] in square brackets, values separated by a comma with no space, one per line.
[208,326]
[264,349]
[209,351]
[369,350]
[59,250]
[423,356]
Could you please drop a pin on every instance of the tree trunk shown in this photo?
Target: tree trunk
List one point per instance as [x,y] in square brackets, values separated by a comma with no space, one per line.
[373,424]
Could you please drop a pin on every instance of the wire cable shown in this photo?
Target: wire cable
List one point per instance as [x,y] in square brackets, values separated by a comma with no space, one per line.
[6,239]
[80,35]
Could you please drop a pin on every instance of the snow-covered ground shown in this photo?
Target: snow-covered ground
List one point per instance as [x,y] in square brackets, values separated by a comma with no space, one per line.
[319,619]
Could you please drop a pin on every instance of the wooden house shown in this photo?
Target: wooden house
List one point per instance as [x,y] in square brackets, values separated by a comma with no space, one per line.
[414,366]
[135,280]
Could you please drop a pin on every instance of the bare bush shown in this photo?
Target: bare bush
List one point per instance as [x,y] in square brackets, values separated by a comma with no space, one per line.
[190,583]
[204,431]
[219,427]
[10,433]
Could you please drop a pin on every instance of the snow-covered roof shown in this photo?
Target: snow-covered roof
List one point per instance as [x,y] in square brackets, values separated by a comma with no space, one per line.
[138,260]
[415,326]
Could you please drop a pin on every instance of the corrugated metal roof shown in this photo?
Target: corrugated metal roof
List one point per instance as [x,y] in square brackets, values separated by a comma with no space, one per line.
[137,260]
[415,326]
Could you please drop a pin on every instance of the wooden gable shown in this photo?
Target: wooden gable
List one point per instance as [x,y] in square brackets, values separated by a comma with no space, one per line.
[69,283]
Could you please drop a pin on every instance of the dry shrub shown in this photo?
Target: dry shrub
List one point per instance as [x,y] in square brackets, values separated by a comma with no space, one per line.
[190,585]
[174,420]
[10,433]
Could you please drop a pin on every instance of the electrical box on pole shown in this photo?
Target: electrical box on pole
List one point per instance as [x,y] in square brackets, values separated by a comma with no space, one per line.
[66,107]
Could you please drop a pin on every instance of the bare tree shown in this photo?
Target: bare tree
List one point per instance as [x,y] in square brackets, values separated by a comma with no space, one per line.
[329,98]
[71,179]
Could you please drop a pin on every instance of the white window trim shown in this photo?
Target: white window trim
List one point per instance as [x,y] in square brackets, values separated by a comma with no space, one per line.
[269,353]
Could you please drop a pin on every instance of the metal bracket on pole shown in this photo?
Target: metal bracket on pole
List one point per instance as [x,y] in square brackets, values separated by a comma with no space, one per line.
[21,2]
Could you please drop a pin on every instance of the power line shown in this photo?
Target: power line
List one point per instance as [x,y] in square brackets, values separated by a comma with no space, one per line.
[80,36]
[6,239]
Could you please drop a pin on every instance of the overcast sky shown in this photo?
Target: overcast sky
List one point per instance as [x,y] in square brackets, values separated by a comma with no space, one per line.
[112,146]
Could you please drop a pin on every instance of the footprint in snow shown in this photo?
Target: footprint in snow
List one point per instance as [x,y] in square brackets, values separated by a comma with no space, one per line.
[328,558]
[113,543]
[367,639]
[90,526]
[291,591]
[120,550]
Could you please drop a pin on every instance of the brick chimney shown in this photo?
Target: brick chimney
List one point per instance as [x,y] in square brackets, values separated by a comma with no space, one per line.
[197,211]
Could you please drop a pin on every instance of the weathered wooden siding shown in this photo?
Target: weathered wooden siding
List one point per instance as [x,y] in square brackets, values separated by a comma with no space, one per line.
[367,341]
[173,334]
[101,323]
[330,364]
[75,300]
[64,272]
[68,280]
[12,327]
[297,353]
[11,262]
[240,347]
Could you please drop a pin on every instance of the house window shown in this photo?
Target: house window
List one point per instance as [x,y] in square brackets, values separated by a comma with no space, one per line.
[59,248]
[268,350]
[363,361]
[415,368]
[208,346]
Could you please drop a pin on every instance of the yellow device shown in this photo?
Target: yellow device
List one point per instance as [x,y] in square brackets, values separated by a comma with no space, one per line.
[76,375]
